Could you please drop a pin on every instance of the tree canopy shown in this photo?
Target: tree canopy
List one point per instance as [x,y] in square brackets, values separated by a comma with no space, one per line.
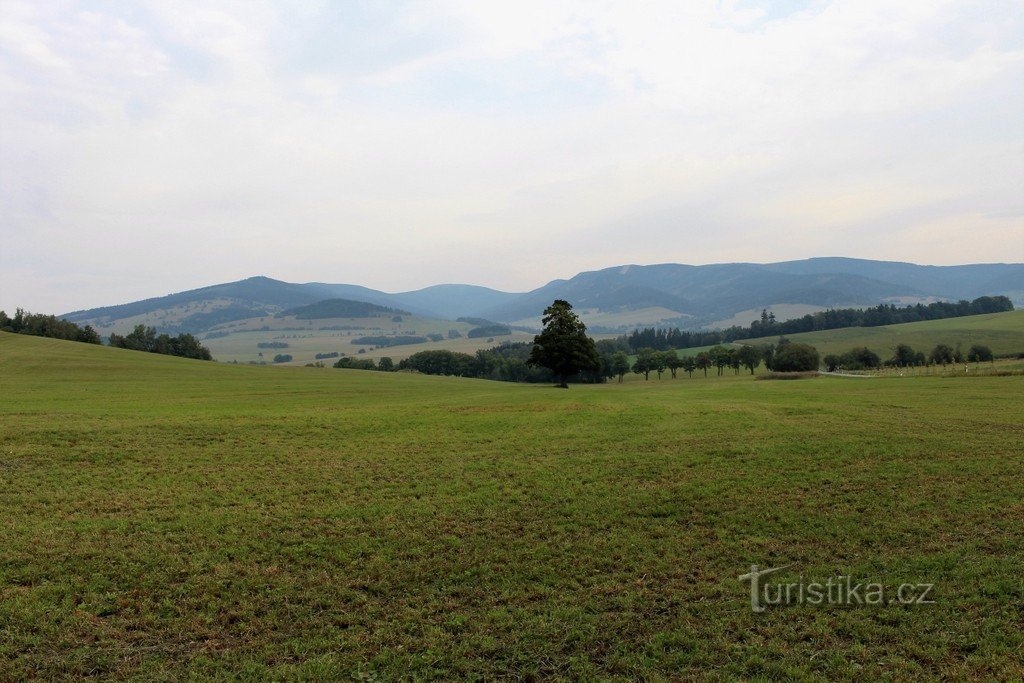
[563,345]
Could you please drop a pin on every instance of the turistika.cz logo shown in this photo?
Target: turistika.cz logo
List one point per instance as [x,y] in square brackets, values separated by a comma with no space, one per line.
[838,590]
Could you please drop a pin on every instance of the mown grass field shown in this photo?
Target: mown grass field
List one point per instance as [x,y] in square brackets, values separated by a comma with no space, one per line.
[1002,332]
[165,519]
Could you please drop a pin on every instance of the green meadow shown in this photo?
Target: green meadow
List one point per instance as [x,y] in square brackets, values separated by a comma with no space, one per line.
[167,519]
[1002,332]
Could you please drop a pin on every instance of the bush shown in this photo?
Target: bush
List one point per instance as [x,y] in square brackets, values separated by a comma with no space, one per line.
[980,354]
[272,345]
[794,357]
[860,358]
[283,358]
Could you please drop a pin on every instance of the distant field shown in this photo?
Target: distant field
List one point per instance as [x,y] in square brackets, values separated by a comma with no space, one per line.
[313,337]
[1002,332]
[171,519]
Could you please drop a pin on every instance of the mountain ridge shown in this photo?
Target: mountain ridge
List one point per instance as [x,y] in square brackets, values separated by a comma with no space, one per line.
[664,293]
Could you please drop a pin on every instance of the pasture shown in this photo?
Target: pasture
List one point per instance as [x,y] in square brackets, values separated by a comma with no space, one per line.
[1002,332]
[167,519]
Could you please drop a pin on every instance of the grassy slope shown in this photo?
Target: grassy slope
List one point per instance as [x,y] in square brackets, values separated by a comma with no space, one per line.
[165,518]
[1003,332]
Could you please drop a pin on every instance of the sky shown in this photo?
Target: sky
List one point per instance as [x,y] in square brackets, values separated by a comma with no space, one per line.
[153,147]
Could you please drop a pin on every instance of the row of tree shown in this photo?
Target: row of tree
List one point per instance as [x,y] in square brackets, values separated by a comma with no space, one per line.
[785,356]
[144,338]
[862,358]
[883,314]
[39,325]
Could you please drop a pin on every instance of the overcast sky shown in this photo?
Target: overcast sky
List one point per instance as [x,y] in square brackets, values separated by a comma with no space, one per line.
[152,147]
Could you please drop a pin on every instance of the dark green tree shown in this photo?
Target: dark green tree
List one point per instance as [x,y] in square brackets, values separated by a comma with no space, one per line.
[750,357]
[644,362]
[563,345]
[903,356]
[659,362]
[980,354]
[720,357]
[620,364]
[673,362]
[942,354]
[734,360]
[703,360]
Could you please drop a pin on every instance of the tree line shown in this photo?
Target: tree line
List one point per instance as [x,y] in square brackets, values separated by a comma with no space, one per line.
[144,338]
[904,356]
[784,356]
[39,325]
[883,314]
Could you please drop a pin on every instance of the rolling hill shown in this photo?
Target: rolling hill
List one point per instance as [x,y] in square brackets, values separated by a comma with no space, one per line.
[609,299]
[1002,332]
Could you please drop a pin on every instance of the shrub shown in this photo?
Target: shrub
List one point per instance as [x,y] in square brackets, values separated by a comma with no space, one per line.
[794,357]
[980,354]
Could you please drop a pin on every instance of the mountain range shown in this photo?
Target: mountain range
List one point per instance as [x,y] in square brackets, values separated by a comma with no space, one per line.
[612,298]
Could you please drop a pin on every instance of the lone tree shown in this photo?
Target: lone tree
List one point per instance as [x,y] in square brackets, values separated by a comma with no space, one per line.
[563,346]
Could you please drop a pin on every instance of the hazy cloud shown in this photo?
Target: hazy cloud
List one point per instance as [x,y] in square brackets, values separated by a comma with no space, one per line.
[152,147]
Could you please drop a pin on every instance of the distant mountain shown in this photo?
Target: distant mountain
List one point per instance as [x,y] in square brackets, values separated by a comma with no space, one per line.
[702,293]
[454,301]
[623,296]
[198,310]
[947,282]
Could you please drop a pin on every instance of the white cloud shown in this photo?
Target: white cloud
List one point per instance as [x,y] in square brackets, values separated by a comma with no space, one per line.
[171,145]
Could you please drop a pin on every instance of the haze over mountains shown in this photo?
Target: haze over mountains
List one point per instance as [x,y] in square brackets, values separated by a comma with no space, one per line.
[612,298]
